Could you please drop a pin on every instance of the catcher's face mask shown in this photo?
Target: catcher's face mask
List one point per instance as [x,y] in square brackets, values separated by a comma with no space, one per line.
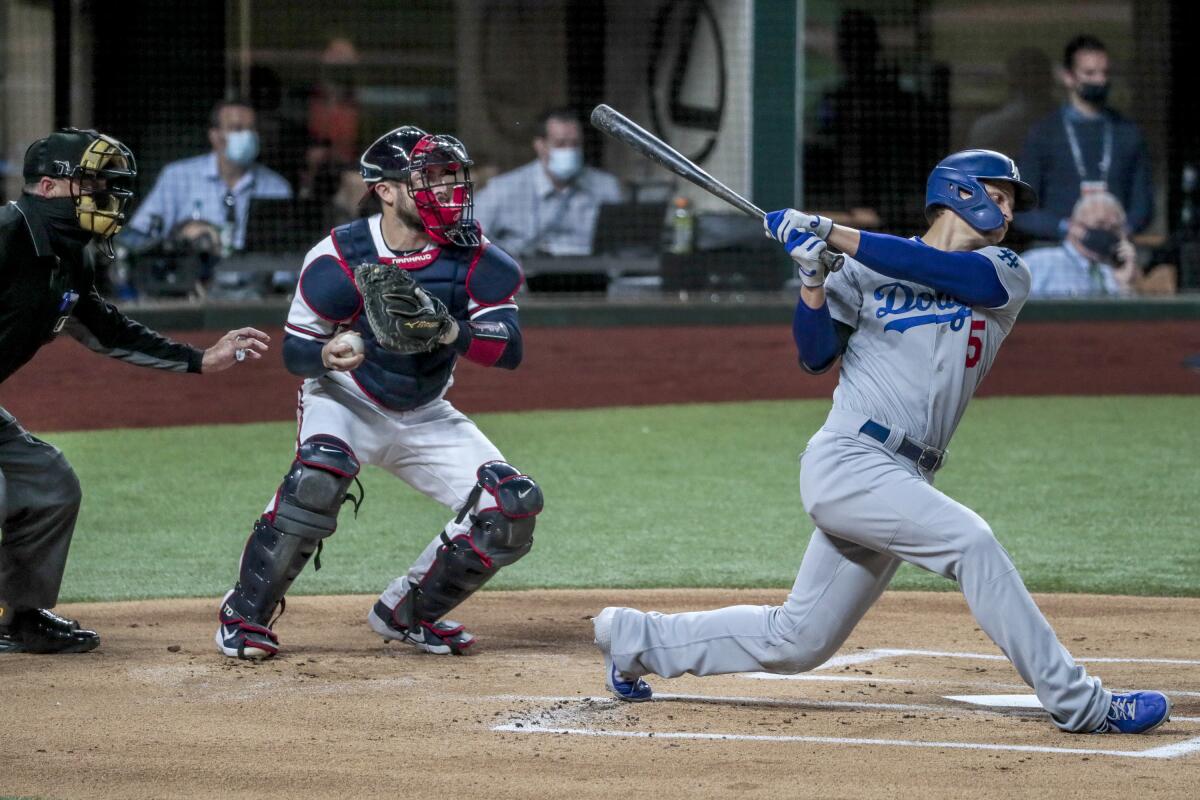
[102,186]
[440,186]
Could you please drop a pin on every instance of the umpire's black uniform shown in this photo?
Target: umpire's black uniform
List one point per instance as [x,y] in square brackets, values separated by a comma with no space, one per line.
[46,288]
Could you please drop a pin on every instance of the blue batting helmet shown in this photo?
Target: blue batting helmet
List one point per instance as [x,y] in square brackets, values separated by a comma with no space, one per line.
[955,184]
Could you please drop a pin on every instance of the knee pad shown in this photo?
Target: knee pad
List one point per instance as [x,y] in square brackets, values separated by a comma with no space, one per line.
[305,513]
[314,488]
[500,535]
[505,531]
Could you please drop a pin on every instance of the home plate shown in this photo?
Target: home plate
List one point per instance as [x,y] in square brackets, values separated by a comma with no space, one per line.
[998,700]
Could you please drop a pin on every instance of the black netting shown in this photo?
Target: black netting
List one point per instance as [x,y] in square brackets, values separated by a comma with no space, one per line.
[842,108]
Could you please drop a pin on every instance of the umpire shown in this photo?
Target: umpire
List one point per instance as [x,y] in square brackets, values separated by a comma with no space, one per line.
[78,184]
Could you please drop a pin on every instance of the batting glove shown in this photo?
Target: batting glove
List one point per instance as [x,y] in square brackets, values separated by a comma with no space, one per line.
[806,249]
[781,224]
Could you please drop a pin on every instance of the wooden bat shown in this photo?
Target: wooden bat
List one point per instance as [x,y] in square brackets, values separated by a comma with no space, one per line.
[623,129]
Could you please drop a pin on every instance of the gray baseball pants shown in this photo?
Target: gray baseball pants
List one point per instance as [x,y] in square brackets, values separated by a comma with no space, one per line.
[873,509]
[39,502]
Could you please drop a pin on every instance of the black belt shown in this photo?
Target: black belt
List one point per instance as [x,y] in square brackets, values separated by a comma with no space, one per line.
[929,459]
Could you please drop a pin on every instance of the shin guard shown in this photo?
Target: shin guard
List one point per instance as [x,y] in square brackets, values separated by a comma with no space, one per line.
[305,513]
[500,535]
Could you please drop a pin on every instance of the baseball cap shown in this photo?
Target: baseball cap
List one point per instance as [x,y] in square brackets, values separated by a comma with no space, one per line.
[57,155]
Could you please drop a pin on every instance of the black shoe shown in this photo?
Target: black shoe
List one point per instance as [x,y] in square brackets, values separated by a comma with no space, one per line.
[40,631]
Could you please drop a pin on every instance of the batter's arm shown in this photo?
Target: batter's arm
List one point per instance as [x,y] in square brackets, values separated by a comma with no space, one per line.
[967,276]
[819,338]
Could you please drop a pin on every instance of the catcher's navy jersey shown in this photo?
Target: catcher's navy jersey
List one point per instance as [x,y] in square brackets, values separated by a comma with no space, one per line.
[918,355]
[474,283]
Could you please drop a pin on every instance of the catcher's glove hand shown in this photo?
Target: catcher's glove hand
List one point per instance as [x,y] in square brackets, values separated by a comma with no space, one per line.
[406,319]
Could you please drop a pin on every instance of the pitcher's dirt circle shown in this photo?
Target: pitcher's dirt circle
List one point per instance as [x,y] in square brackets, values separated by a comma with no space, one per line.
[155,712]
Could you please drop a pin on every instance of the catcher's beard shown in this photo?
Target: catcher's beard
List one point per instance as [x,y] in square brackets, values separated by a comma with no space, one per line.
[406,214]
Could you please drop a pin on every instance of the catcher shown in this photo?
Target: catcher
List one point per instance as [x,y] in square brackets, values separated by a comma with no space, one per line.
[384,308]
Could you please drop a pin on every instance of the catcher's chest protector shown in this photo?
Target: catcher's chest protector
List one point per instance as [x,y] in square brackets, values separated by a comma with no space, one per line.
[404,382]
[442,272]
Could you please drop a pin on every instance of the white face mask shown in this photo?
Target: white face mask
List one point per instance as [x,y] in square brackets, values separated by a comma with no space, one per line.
[564,163]
[241,147]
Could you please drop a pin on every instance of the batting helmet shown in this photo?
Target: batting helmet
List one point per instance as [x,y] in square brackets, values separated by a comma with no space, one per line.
[955,183]
[436,170]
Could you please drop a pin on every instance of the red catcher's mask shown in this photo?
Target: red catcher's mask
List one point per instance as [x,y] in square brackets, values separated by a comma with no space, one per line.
[439,183]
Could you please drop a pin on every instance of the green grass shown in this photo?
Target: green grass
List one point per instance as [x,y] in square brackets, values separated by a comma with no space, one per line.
[1088,494]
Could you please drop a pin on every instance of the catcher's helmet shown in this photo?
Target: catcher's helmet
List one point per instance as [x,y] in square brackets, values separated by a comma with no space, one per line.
[955,184]
[101,171]
[436,170]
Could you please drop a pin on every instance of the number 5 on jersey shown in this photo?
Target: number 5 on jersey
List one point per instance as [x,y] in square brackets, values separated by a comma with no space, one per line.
[975,342]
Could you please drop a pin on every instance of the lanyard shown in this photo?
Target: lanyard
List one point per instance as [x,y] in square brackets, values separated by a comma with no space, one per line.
[1095,271]
[1077,154]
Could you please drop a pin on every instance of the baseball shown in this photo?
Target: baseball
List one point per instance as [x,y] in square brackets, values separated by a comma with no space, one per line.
[353,339]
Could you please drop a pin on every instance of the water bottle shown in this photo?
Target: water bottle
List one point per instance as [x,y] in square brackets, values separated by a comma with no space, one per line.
[683,226]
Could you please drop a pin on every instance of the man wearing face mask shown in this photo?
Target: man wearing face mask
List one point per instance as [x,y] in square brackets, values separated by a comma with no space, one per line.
[1095,259]
[206,199]
[1085,147]
[77,185]
[550,205]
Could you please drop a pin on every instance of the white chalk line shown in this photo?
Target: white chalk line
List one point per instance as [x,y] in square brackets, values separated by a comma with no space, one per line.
[770,702]
[1028,708]
[808,677]
[1165,752]
[876,654]
[1169,751]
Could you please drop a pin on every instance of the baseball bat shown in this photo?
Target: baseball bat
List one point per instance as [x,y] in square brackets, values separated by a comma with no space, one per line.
[623,129]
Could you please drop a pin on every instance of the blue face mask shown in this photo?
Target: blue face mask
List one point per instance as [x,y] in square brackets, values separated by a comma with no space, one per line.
[241,147]
[564,163]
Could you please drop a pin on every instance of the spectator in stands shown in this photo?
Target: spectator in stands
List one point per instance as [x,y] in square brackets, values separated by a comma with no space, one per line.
[1085,146]
[873,139]
[204,200]
[1030,98]
[333,107]
[550,205]
[1095,259]
[279,121]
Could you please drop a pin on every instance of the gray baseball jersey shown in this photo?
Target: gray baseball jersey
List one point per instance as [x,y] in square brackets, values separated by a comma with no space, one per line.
[921,387]
[914,360]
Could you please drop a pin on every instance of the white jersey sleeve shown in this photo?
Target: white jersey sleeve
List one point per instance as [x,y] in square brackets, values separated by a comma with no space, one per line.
[1014,275]
[326,297]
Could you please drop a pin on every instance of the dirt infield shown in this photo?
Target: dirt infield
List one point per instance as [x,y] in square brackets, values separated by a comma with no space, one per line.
[156,712]
[66,388]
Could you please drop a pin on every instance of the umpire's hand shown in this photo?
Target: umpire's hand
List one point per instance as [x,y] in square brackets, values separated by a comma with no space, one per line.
[233,347]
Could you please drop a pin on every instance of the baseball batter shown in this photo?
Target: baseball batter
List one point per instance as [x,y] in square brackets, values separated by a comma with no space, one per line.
[917,324]
[363,404]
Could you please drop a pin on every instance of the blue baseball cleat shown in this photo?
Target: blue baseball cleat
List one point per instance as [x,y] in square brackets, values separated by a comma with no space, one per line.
[635,691]
[629,688]
[1136,712]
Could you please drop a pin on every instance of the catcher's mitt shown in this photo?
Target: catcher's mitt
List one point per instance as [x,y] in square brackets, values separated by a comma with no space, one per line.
[405,318]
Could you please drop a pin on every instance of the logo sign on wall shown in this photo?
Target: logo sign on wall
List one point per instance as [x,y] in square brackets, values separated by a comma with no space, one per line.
[687,77]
